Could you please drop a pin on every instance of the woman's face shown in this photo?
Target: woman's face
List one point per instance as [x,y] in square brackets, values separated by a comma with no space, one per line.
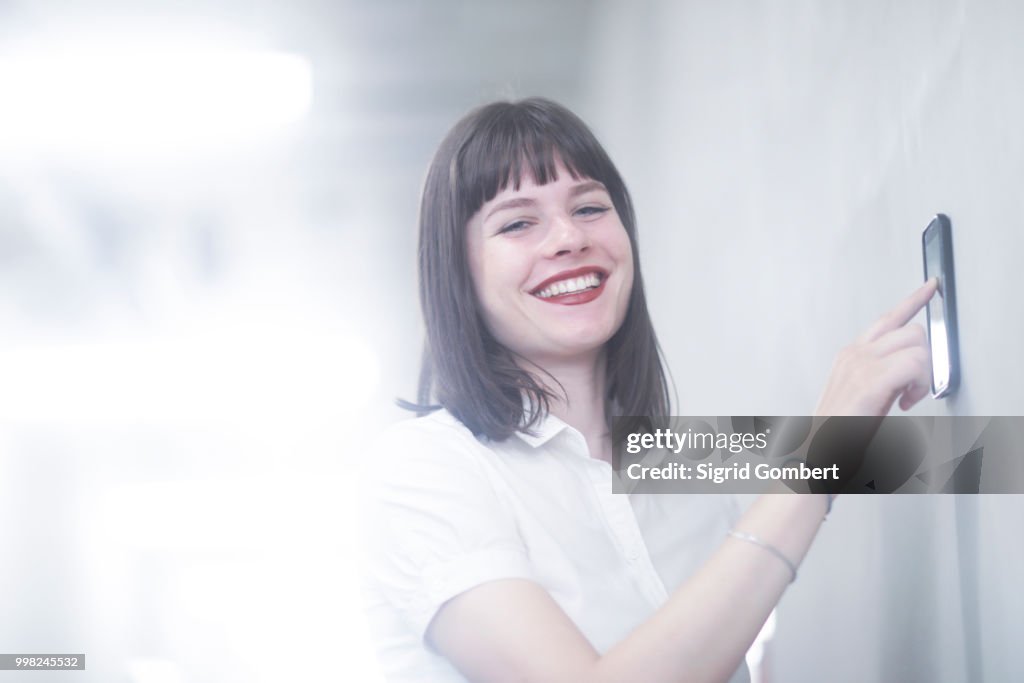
[552,267]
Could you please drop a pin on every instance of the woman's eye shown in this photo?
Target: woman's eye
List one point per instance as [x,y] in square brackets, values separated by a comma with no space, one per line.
[513,227]
[591,210]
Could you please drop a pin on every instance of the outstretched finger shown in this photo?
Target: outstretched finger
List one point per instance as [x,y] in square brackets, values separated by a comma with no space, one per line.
[903,313]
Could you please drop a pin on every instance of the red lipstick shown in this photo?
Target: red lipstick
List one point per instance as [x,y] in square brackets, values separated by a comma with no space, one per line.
[566,274]
[574,298]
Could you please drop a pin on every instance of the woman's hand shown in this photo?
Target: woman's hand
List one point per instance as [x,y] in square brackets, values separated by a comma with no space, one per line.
[890,360]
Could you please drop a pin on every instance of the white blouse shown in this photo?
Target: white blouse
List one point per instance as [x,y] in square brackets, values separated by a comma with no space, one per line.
[444,512]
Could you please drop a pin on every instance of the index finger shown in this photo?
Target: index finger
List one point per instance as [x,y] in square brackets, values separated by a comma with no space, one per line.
[904,311]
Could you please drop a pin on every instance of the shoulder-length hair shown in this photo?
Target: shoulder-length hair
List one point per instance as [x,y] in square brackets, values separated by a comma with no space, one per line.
[464,368]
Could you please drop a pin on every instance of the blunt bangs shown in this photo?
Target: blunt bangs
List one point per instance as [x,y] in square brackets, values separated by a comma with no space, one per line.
[512,143]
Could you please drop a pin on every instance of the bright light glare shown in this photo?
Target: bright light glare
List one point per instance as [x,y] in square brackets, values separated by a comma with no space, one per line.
[154,671]
[132,102]
[262,376]
[289,540]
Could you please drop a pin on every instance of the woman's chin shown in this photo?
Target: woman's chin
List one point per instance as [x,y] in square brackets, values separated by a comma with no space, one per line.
[569,349]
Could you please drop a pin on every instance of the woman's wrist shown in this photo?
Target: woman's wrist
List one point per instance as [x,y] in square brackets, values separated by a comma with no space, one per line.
[786,521]
[768,547]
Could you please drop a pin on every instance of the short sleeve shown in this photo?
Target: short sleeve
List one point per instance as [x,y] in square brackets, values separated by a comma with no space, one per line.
[433,525]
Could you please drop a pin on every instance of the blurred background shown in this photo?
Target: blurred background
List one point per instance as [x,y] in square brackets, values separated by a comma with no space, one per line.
[208,299]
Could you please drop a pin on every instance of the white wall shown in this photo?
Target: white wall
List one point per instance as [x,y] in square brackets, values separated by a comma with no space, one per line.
[785,158]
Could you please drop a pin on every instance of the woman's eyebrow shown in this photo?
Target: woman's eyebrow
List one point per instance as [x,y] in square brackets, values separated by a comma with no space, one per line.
[514,203]
[586,187]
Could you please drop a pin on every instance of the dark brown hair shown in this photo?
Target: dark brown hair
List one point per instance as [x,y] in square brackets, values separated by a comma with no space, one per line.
[464,368]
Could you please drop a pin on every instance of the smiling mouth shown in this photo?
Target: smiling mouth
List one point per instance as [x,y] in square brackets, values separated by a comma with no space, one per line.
[570,285]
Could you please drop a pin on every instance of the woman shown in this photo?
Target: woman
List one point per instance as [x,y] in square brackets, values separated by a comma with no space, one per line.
[497,550]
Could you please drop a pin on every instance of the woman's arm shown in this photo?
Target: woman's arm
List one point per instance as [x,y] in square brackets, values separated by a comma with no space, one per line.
[512,630]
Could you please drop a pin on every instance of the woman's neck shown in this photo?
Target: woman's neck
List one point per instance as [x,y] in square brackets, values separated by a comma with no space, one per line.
[580,401]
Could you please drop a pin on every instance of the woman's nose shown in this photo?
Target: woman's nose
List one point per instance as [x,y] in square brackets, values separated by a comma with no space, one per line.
[566,237]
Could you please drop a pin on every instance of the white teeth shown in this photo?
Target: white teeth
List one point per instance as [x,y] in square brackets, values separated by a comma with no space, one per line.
[570,286]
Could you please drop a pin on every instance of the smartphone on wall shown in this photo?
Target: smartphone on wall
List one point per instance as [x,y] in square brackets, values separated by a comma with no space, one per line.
[937,245]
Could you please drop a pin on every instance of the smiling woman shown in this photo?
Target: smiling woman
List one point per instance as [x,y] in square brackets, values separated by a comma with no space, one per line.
[521,197]
[496,549]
